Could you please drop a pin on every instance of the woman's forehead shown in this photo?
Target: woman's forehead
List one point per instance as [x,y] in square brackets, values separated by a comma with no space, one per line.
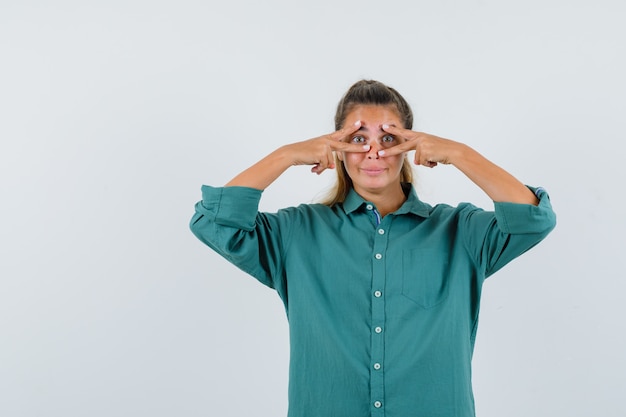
[372,116]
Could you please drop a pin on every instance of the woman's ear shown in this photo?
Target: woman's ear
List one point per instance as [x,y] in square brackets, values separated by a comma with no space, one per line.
[339,156]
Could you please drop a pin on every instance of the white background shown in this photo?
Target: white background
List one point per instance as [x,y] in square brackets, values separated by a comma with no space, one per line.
[112,115]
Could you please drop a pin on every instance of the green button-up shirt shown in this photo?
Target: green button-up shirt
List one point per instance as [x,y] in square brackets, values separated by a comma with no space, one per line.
[382,312]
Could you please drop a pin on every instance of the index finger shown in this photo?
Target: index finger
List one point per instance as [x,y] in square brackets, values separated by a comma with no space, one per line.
[397,131]
[341,134]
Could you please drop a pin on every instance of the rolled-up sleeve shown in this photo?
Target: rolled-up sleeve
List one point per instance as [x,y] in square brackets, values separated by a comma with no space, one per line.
[526,218]
[228,221]
[228,206]
[493,239]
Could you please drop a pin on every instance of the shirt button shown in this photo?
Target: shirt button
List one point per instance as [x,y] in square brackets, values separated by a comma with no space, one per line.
[377,366]
[377,294]
[378,404]
[369,207]
[381,231]
[378,256]
[378,329]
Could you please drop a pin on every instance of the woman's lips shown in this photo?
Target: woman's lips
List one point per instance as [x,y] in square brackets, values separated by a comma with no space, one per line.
[372,171]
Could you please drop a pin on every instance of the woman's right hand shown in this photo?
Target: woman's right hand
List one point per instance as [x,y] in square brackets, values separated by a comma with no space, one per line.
[319,151]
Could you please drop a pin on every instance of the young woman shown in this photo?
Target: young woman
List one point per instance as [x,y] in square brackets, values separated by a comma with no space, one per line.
[382,290]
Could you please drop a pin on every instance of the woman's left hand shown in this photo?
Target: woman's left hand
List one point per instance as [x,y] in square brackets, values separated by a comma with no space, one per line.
[429,150]
[432,150]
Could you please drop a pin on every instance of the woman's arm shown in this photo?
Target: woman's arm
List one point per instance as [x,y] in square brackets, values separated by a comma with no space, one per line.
[431,150]
[317,152]
[499,185]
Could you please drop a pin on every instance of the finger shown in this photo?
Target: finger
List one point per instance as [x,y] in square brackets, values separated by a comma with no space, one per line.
[318,168]
[326,162]
[429,164]
[348,147]
[342,133]
[398,131]
[403,147]
[331,158]
[423,160]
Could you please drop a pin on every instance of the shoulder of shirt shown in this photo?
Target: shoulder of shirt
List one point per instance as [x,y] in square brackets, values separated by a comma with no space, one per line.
[305,209]
[448,208]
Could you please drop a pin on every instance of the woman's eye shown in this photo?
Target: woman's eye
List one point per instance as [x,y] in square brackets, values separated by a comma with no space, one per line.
[358,139]
[388,139]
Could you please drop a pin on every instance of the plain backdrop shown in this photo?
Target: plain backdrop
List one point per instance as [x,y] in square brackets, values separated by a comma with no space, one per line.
[114,113]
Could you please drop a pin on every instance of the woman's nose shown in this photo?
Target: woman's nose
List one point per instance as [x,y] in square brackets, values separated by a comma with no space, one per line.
[374,148]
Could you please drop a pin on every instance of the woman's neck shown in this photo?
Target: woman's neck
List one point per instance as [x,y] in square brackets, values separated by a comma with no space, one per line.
[386,201]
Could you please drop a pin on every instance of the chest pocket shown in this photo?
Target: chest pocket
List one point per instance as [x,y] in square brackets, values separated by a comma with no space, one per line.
[425,279]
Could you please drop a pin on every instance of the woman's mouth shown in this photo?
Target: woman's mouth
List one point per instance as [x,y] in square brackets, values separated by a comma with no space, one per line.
[372,171]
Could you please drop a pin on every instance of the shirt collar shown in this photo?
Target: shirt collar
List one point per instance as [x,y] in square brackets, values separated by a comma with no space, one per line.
[412,204]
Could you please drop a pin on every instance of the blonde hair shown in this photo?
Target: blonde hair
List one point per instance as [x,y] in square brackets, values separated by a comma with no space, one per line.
[367,92]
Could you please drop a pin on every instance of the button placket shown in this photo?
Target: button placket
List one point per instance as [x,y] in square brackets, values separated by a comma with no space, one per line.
[377,383]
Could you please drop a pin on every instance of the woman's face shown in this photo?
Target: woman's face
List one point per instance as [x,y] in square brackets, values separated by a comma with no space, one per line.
[369,172]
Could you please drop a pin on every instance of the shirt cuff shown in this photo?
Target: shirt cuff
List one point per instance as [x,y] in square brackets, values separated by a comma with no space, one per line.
[231,206]
[516,218]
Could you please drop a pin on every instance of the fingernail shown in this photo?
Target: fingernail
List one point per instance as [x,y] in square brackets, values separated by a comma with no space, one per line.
[358,122]
[381,153]
[366,147]
[385,126]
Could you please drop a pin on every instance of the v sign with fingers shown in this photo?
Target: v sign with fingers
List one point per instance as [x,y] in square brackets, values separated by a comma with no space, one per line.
[431,150]
[317,152]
